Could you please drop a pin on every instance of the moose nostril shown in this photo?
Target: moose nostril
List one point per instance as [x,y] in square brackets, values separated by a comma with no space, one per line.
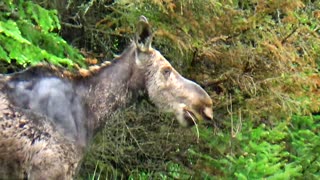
[208,113]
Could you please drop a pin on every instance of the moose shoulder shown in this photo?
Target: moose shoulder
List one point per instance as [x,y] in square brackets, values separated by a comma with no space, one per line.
[46,120]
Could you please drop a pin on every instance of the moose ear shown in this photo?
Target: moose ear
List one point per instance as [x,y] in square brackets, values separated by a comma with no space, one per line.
[144,35]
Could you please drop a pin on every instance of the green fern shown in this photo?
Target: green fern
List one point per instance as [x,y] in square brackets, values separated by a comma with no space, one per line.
[27,36]
[46,19]
[11,30]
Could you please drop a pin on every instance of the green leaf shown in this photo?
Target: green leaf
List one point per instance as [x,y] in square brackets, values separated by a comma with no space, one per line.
[46,19]
[3,55]
[11,29]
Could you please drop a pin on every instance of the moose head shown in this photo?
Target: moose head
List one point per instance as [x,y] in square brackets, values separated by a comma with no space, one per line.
[166,88]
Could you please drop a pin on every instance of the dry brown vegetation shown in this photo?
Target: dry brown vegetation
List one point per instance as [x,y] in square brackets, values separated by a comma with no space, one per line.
[264,56]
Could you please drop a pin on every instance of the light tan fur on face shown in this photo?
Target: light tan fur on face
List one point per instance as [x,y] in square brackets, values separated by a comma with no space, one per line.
[173,93]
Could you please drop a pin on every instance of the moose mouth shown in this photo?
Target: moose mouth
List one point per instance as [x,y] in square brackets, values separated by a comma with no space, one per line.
[190,117]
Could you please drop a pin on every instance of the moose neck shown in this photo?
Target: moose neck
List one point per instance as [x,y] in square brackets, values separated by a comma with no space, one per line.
[112,88]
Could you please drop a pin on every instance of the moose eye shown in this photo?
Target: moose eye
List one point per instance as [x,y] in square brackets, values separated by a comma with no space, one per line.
[166,72]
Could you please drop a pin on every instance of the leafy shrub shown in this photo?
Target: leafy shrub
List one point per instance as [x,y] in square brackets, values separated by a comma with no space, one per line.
[27,36]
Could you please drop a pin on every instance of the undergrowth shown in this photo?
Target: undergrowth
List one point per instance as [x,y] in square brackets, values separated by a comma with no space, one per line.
[139,138]
[284,151]
[142,147]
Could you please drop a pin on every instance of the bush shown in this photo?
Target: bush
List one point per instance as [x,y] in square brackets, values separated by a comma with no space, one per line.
[27,37]
[285,151]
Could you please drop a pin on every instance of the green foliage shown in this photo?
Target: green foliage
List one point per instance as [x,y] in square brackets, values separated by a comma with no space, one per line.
[27,36]
[285,151]
[305,136]
[288,150]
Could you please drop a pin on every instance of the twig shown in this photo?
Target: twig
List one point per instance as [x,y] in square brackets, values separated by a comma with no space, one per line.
[220,79]
[230,111]
[72,25]
[287,37]
[198,134]
[135,140]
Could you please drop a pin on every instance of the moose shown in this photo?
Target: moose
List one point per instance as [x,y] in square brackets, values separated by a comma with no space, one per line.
[47,119]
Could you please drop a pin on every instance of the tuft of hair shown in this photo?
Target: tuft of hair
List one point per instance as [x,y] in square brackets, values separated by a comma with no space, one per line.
[70,74]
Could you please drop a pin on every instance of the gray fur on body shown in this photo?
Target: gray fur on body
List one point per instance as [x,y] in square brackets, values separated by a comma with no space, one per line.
[70,104]
[30,146]
[60,113]
[54,98]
